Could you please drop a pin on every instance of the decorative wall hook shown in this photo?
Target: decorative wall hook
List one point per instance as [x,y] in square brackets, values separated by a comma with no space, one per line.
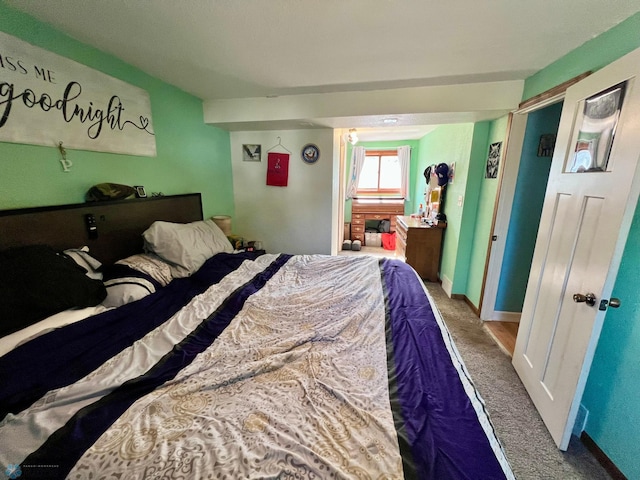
[66,164]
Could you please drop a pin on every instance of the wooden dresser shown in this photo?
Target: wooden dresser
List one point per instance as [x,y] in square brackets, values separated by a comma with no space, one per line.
[364,209]
[419,245]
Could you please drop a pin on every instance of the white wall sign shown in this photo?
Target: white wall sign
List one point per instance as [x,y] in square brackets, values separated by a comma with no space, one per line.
[46,99]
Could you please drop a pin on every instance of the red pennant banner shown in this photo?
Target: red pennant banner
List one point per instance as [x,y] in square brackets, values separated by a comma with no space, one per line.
[277,169]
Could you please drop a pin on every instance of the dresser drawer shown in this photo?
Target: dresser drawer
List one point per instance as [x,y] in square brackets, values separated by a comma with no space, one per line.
[357,229]
[357,216]
[357,221]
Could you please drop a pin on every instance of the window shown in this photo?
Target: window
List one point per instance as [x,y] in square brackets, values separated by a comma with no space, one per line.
[381,174]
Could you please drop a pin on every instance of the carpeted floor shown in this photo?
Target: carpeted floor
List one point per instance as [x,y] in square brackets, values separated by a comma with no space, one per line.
[529,447]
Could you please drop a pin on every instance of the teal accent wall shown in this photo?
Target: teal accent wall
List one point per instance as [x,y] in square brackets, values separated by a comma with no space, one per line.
[612,391]
[191,156]
[414,172]
[484,212]
[528,198]
[612,395]
[592,55]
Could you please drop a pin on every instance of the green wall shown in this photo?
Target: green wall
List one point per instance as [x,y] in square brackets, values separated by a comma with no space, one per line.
[592,55]
[484,214]
[191,156]
[466,237]
[612,391]
[470,192]
[449,144]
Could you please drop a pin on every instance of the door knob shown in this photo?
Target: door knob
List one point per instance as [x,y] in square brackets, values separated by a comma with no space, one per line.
[612,302]
[589,299]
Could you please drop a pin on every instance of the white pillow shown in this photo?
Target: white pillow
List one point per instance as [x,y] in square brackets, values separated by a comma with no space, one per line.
[151,264]
[123,290]
[186,246]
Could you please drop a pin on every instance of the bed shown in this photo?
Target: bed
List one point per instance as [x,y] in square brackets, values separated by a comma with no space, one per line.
[239,366]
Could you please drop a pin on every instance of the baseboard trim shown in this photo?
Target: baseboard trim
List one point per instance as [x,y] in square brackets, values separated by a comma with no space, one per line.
[447,286]
[475,309]
[513,317]
[602,457]
[460,296]
[581,421]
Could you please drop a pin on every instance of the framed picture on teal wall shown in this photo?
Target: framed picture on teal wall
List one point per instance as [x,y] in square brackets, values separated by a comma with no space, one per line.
[546,145]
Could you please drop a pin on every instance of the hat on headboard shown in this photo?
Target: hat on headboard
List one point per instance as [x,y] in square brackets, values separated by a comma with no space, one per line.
[442,171]
[109,191]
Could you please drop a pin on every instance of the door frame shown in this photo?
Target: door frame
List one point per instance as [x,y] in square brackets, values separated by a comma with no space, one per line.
[339,187]
[506,192]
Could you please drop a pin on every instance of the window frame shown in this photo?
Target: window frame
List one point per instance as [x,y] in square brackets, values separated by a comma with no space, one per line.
[377,192]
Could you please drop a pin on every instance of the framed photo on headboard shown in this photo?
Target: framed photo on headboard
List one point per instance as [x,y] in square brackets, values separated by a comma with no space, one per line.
[140,191]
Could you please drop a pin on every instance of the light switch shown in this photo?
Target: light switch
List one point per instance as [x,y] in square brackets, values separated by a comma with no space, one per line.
[460,200]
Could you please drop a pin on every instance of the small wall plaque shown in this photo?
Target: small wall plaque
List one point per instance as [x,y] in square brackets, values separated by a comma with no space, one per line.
[546,145]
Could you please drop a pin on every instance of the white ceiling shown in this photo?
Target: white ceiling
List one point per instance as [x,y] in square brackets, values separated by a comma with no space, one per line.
[237,49]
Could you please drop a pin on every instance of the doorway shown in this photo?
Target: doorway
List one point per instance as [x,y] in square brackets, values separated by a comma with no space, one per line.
[528,196]
[533,174]
[517,218]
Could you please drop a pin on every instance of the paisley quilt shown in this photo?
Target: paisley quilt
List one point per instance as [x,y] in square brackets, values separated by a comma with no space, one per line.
[277,367]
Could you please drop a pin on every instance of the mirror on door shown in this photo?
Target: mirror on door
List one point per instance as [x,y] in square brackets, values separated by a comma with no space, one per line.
[598,118]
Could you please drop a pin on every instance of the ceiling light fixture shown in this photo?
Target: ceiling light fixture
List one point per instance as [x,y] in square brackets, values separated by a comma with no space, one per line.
[352,138]
[389,120]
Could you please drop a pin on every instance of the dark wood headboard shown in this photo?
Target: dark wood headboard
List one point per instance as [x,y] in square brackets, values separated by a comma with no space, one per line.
[119,224]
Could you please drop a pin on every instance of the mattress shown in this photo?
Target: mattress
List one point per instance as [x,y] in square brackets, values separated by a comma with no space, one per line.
[304,366]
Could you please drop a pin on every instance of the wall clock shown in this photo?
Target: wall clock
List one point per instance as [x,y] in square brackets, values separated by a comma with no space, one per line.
[310,153]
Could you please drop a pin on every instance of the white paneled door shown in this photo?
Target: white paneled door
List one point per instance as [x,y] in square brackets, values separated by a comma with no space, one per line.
[590,199]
